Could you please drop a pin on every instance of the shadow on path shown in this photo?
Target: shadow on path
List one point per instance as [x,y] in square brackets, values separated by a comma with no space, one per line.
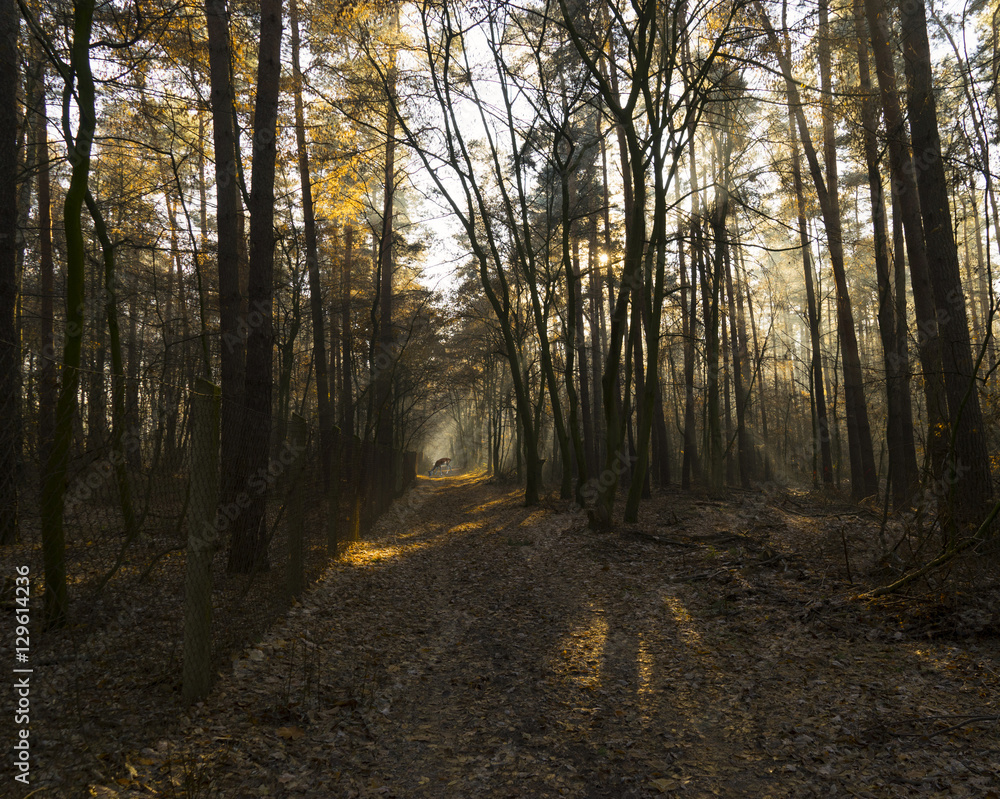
[477,648]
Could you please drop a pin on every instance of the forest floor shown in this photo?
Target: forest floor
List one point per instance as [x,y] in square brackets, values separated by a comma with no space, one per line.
[477,648]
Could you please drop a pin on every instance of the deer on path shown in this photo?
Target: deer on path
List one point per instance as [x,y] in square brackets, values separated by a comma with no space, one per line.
[441,466]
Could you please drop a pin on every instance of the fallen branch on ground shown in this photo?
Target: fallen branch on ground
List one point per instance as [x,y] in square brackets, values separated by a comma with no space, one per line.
[953,551]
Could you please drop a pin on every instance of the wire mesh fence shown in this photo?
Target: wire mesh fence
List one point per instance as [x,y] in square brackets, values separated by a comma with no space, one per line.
[160,597]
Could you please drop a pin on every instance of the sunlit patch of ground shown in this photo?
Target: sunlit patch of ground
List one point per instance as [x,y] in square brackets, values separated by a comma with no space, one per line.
[493,504]
[535,518]
[367,556]
[578,654]
[645,664]
[685,622]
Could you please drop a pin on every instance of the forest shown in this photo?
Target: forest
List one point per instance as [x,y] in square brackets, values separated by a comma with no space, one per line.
[264,264]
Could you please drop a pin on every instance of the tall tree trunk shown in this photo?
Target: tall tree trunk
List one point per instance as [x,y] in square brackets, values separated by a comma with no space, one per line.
[727,404]
[56,605]
[583,376]
[822,431]
[120,420]
[97,401]
[562,428]
[129,382]
[711,279]
[906,202]
[983,157]
[899,416]
[738,343]
[635,192]
[175,281]
[982,261]
[864,476]
[902,344]
[10,355]
[47,381]
[28,141]
[573,454]
[323,393]
[639,485]
[650,301]
[652,317]
[746,376]
[818,388]
[248,547]
[758,361]
[977,330]
[335,372]
[864,479]
[661,438]
[232,352]
[385,359]
[968,470]
[596,301]
[346,340]
[206,359]
[690,468]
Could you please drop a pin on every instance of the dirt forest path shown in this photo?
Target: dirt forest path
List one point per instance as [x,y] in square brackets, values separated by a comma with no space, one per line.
[477,648]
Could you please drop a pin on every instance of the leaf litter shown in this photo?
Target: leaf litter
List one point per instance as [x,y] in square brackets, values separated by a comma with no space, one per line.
[477,648]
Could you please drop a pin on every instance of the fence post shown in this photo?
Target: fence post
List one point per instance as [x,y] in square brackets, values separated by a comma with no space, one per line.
[333,495]
[296,512]
[387,482]
[409,469]
[397,474]
[356,459]
[203,539]
[367,486]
